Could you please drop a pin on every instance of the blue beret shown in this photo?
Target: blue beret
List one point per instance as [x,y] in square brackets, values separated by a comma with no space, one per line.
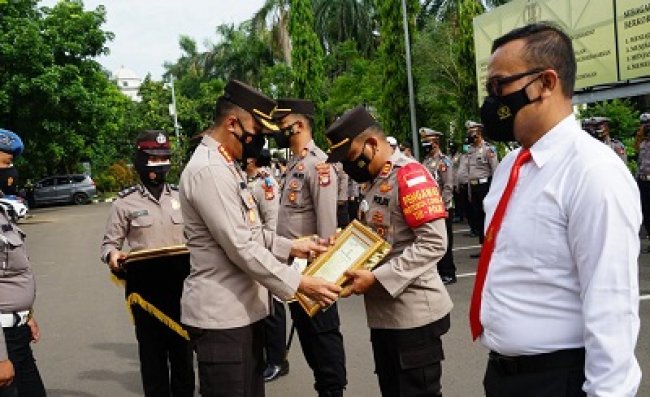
[11,143]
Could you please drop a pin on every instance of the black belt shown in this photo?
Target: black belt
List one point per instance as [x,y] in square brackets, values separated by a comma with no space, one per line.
[561,359]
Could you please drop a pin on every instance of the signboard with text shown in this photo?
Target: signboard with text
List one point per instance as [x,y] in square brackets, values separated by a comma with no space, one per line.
[608,49]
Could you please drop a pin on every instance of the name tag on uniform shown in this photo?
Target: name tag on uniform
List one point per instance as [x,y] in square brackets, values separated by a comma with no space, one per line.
[381,200]
[299,175]
[137,214]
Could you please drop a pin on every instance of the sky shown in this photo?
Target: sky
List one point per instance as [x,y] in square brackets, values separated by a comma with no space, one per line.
[147,31]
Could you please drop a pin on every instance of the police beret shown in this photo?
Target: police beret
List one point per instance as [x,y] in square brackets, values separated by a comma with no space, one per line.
[599,119]
[287,106]
[391,140]
[429,133]
[471,124]
[252,101]
[644,118]
[154,143]
[11,143]
[341,133]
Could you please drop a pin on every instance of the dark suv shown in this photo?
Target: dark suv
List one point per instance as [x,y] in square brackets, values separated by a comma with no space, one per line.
[76,188]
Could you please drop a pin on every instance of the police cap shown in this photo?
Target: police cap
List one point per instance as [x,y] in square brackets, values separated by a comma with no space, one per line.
[598,120]
[471,124]
[153,143]
[287,106]
[341,133]
[427,133]
[644,118]
[11,143]
[254,102]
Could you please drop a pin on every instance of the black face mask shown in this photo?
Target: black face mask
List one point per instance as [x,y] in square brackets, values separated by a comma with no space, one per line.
[9,181]
[498,114]
[283,137]
[358,169]
[470,139]
[252,144]
[143,169]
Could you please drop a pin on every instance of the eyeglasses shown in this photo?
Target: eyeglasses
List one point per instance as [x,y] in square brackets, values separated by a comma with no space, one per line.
[494,86]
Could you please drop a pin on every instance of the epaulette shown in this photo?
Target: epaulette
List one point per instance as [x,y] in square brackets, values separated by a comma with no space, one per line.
[127,191]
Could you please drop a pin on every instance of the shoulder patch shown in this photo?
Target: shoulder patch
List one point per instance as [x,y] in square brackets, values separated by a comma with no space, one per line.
[323,170]
[127,191]
[419,196]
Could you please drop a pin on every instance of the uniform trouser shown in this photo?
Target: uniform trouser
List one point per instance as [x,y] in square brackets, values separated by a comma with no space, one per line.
[275,332]
[446,265]
[27,381]
[342,215]
[644,189]
[230,360]
[478,193]
[166,359]
[353,208]
[507,381]
[408,361]
[322,345]
[466,205]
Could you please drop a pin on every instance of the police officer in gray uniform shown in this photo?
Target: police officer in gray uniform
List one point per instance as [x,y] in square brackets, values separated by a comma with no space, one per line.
[481,163]
[406,302]
[19,375]
[440,167]
[601,131]
[342,209]
[643,169]
[235,263]
[148,216]
[308,206]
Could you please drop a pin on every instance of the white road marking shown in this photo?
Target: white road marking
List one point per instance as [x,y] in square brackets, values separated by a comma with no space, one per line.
[470,247]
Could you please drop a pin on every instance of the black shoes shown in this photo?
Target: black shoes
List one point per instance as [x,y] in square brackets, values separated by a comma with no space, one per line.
[273,372]
[446,280]
[476,255]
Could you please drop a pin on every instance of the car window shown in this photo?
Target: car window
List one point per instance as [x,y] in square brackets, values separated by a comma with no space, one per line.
[47,182]
[62,180]
[78,178]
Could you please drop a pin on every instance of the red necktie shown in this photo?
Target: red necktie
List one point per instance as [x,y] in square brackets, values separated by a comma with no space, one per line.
[488,244]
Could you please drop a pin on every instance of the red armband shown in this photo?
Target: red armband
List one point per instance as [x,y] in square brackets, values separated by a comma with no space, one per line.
[419,196]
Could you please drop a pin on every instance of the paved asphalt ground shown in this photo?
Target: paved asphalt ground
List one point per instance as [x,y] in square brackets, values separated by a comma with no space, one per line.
[88,346]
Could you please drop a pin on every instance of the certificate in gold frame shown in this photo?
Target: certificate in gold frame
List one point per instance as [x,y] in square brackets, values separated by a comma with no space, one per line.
[357,247]
[143,255]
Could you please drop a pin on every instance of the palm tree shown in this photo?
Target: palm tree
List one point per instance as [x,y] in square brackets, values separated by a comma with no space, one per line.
[337,21]
[274,18]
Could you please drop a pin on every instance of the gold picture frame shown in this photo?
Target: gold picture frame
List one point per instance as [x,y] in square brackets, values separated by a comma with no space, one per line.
[357,247]
[147,254]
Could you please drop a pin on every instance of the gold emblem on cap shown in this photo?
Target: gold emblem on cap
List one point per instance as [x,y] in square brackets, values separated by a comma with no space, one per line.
[504,112]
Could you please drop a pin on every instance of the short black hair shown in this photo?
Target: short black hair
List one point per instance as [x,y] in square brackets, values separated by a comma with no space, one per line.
[548,47]
[223,108]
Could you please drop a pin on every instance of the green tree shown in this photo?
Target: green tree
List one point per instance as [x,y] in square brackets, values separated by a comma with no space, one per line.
[394,104]
[307,58]
[338,21]
[272,20]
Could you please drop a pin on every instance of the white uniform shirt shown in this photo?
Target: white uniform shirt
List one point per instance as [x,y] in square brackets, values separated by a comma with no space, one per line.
[564,271]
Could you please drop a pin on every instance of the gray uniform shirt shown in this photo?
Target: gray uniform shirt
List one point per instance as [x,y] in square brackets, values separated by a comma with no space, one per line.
[309,196]
[144,222]
[409,292]
[266,191]
[342,182]
[618,148]
[232,258]
[481,162]
[644,159]
[440,167]
[17,286]
[460,169]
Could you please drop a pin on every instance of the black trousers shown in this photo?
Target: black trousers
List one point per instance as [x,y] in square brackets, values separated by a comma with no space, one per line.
[166,359]
[342,215]
[275,332]
[446,265]
[230,360]
[644,189]
[27,381]
[478,193]
[353,209]
[408,361]
[464,203]
[510,381]
[322,345]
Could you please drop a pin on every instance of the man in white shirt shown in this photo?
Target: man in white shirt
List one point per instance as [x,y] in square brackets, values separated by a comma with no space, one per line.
[556,295]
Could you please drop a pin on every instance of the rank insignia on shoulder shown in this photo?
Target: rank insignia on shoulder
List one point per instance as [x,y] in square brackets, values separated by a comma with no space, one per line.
[127,191]
[385,187]
[252,216]
[323,170]
[225,154]
[386,169]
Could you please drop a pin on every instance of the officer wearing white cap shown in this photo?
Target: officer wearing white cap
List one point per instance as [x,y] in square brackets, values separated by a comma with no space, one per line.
[481,161]
[234,262]
[440,167]
[19,375]
[406,302]
[599,128]
[393,143]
